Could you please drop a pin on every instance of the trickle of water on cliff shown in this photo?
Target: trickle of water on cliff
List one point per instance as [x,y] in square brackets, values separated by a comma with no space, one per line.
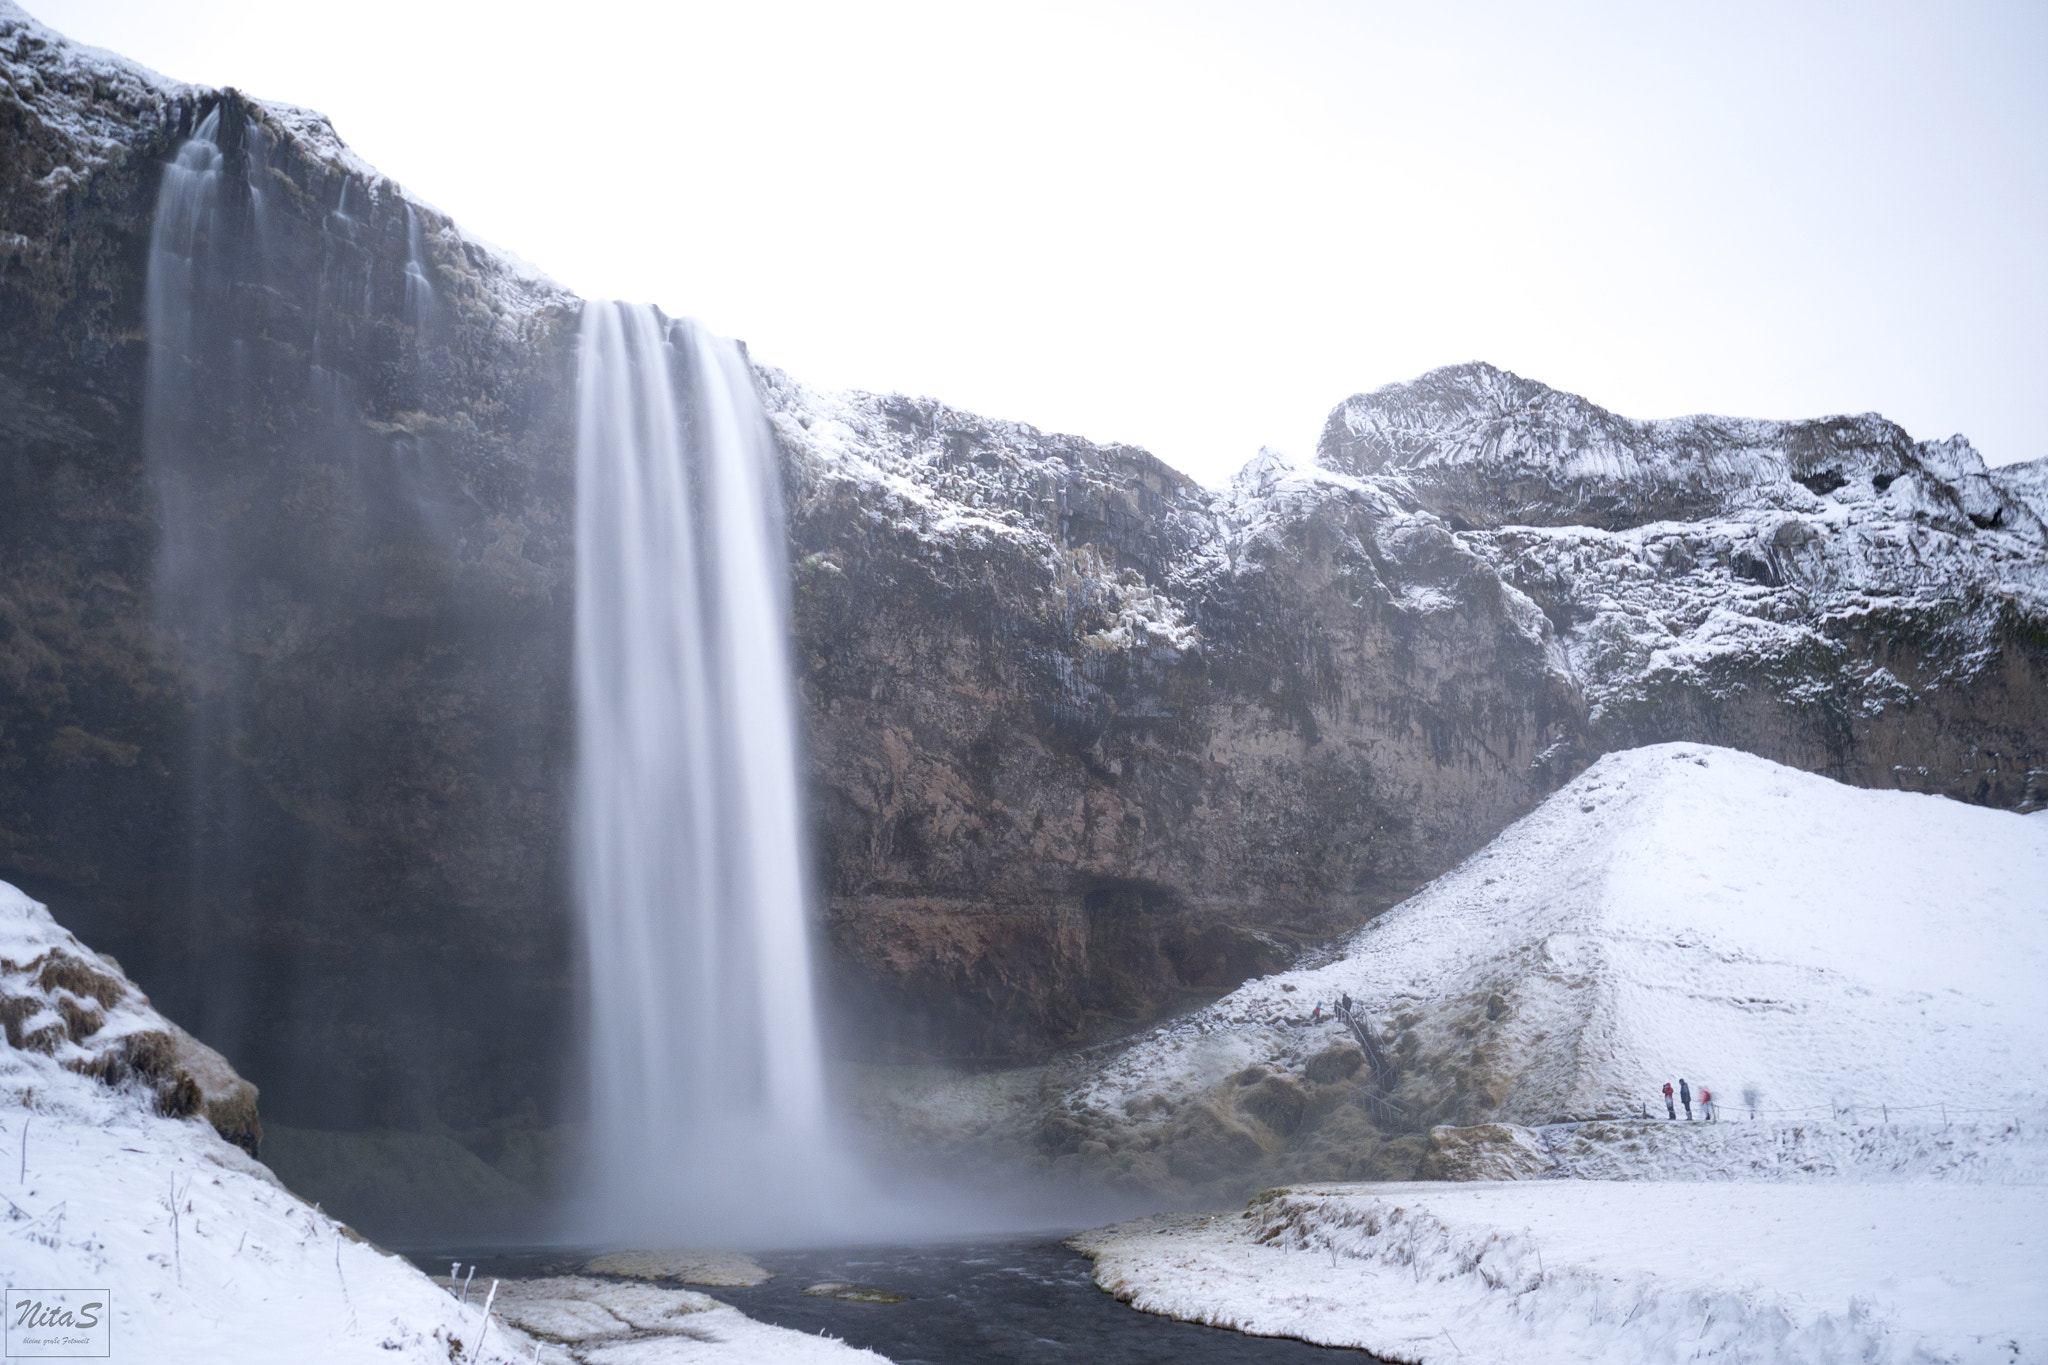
[179,252]
[708,1112]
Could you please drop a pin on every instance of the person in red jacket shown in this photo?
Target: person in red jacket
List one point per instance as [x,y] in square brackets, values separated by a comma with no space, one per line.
[1670,1110]
[1707,1104]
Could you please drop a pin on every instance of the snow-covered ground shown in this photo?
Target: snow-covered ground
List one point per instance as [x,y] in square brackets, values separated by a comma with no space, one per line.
[1568,1270]
[1679,911]
[1855,974]
[206,1258]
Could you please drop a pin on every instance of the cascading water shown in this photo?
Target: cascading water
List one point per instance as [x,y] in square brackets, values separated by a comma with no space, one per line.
[183,248]
[708,1096]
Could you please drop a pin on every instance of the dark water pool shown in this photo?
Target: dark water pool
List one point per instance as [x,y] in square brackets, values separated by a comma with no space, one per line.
[1024,1299]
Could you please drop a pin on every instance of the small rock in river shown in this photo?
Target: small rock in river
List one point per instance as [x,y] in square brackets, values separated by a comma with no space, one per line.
[853,1293]
[716,1268]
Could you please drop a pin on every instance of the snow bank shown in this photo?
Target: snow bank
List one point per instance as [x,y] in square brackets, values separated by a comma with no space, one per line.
[113,1179]
[1590,1271]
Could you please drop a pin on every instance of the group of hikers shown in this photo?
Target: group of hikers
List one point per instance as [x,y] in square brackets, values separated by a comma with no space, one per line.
[1685,1098]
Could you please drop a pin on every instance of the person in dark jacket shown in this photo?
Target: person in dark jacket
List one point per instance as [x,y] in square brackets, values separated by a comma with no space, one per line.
[1670,1110]
[1685,1098]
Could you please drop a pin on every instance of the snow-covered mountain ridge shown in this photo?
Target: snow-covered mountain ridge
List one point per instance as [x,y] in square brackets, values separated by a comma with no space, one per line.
[1694,571]
[1486,447]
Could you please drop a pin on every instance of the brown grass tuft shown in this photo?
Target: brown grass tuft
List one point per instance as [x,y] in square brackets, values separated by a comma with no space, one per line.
[63,972]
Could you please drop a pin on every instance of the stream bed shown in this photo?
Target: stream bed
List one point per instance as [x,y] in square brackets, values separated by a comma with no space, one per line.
[1005,1301]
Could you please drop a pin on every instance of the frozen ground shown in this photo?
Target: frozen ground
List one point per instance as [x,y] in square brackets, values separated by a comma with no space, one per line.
[1559,1270]
[206,1257]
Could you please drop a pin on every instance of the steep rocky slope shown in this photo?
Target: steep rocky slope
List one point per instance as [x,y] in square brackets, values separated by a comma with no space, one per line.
[284,611]
[72,1008]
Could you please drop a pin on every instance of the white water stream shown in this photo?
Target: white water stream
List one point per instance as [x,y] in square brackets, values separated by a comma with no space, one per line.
[708,1110]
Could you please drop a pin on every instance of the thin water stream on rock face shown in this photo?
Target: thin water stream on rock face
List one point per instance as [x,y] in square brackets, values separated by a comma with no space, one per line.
[707,1083]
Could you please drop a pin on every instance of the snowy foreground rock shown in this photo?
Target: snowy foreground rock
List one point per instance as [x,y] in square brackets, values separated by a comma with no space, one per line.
[114,1179]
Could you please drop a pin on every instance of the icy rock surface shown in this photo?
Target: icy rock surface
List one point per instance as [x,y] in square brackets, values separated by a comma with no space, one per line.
[712,1268]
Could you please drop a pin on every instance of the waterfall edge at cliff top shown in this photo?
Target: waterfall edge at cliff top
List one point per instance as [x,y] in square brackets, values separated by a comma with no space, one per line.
[707,1084]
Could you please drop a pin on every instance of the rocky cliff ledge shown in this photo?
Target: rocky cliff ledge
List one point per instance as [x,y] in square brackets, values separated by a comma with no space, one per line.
[1087,741]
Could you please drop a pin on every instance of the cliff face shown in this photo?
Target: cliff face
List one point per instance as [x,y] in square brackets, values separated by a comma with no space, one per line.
[1088,740]
[285,608]
[283,679]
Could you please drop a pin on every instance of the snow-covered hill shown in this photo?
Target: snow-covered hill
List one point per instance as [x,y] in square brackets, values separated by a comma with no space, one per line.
[1677,911]
[1853,973]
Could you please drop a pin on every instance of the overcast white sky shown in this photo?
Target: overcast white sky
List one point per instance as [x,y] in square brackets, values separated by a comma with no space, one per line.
[1197,226]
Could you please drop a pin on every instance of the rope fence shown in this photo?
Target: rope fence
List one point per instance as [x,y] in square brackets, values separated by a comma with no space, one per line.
[1883,1109]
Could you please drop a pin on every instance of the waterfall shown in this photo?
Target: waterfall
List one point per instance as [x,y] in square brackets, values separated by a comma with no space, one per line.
[419,289]
[707,1084]
[184,247]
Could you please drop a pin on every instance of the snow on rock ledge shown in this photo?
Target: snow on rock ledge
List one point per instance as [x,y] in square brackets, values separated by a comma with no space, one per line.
[60,999]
